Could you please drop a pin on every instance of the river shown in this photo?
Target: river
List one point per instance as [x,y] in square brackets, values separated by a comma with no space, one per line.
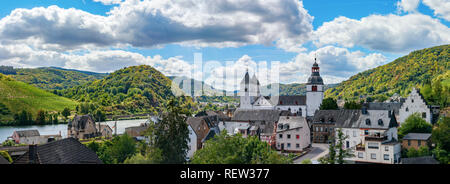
[7,131]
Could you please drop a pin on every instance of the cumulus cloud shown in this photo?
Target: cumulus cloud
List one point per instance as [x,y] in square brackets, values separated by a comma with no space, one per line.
[232,23]
[389,33]
[408,5]
[441,8]
[109,2]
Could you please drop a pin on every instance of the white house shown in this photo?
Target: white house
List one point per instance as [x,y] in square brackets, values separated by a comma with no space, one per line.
[415,103]
[379,140]
[192,143]
[251,98]
[293,134]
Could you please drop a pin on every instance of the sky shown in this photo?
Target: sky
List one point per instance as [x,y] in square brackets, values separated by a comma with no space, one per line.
[231,36]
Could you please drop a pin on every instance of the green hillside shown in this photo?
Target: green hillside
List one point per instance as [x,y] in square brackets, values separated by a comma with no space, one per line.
[17,96]
[295,88]
[136,89]
[416,69]
[51,78]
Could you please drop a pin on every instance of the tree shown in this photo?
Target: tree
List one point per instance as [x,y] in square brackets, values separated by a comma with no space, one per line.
[6,155]
[412,152]
[172,133]
[337,153]
[352,105]
[40,117]
[442,155]
[226,149]
[328,104]
[306,161]
[122,147]
[99,115]
[65,113]
[441,134]
[414,124]
[342,153]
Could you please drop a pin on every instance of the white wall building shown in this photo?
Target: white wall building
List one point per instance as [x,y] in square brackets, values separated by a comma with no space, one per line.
[415,103]
[293,134]
[192,143]
[251,98]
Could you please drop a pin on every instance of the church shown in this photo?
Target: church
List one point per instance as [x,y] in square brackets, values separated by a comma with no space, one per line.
[251,98]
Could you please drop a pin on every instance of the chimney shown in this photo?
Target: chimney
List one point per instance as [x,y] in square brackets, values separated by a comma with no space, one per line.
[32,152]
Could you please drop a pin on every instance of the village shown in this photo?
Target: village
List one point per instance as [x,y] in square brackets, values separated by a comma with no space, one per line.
[292,125]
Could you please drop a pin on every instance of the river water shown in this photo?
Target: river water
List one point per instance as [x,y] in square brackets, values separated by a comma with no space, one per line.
[7,131]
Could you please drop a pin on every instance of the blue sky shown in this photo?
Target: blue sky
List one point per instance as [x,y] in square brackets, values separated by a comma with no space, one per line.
[348,36]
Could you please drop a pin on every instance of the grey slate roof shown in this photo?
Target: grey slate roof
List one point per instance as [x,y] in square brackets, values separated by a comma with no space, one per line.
[292,100]
[343,118]
[378,119]
[3,160]
[390,106]
[28,133]
[256,115]
[417,136]
[64,151]
[293,122]
[79,122]
[212,132]
[420,160]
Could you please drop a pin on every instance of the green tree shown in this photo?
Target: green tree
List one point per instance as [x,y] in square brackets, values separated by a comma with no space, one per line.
[329,104]
[40,117]
[342,152]
[99,115]
[66,113]
[441,155]
[226,149]
[5,155]
[306,161]
[441,133]
[412,152]
[172,133]
[122,147]
[424,151]
[414,124]
[352,105]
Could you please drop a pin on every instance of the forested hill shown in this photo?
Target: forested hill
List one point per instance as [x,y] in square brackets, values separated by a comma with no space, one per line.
[17,96]
[51,78]
[135,89]
[417,69]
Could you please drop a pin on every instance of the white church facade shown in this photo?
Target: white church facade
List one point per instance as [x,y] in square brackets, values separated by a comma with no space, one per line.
[251,98]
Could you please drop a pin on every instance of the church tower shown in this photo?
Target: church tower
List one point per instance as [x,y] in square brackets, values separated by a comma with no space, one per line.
[244,92]
[314,90]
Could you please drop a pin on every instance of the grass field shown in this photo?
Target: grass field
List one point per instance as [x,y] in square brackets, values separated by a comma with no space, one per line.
[18,96]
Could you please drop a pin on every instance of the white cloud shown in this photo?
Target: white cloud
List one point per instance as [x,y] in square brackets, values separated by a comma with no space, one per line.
[284,23]
[441,8]
[408,5]
[389,33]
[109,2]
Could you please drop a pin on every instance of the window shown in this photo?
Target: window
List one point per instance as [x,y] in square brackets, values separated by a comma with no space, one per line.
[419,143]
[360,155]
[288,136]
[367,121]
[407,109]
[373,156]
[424,115]
[386,156]
[372,145]
[409,142]
[354,133]
[366,132]
[321,129]
[412,100]
[314,88]
[386,148]
[380,122]
[280,136]
[297,136]
[326,129]
[297,145]
[288,145]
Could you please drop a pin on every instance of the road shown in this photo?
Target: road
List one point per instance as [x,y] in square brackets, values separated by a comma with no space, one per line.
[317,151]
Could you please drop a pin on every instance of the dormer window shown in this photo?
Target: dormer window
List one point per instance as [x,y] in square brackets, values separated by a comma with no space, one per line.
[380,122]
[368,122]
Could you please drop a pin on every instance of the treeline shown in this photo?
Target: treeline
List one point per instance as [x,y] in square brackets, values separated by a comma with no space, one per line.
[42,117]
[7,70]
[400,76]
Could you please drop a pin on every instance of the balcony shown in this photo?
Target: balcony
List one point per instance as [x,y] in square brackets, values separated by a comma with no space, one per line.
[375,137]
[360,147]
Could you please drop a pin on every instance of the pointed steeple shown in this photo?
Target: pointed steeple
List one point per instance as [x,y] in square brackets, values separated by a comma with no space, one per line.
[315,74]
[246,79]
